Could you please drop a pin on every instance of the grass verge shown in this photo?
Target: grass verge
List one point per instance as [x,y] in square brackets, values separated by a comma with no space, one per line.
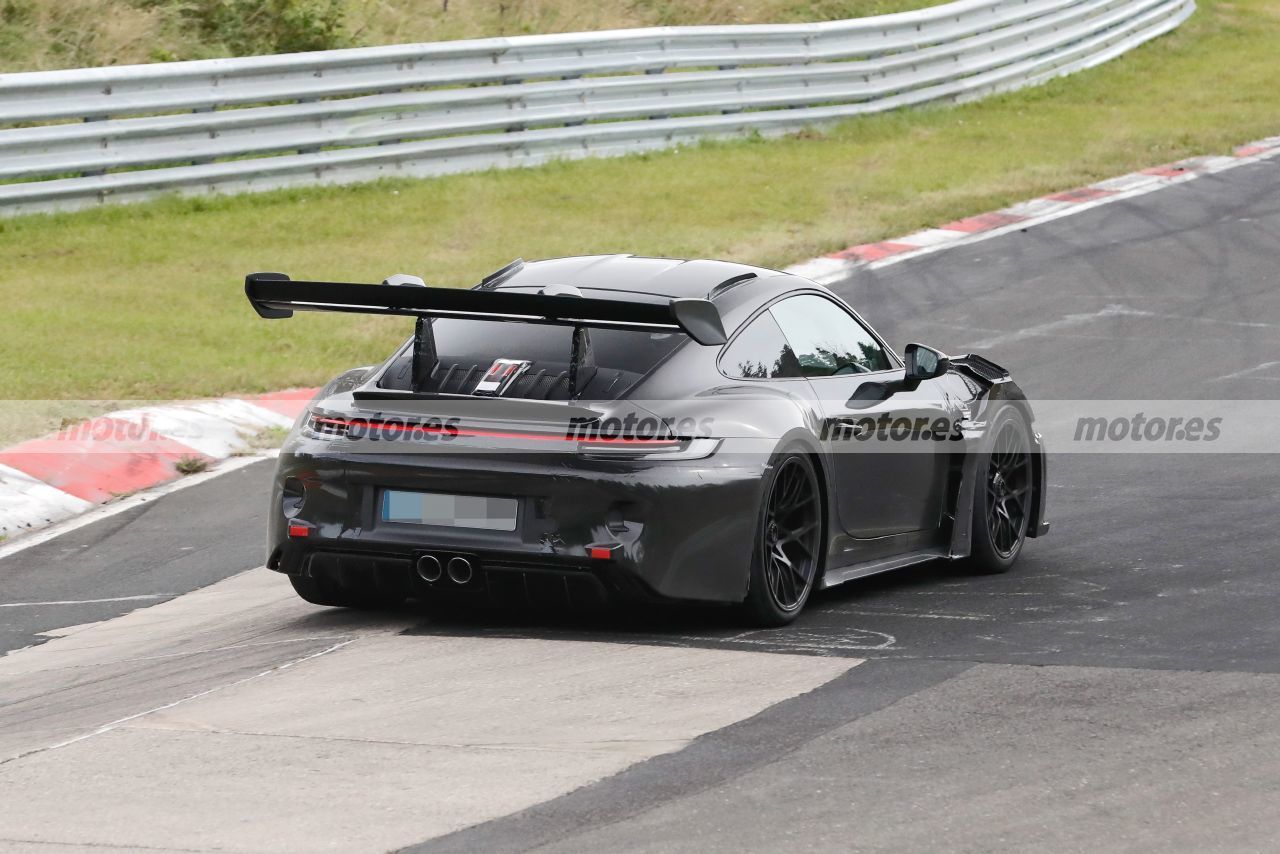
[46,34]
[145,301]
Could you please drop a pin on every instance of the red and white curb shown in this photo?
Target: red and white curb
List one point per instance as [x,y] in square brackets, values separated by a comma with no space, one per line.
[54,477]
[838,265]
[49,479]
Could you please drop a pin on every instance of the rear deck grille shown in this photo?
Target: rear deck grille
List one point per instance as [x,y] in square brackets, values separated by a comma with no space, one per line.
[540,384]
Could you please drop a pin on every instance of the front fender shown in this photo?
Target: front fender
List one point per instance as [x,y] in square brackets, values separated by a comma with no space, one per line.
[1004,393]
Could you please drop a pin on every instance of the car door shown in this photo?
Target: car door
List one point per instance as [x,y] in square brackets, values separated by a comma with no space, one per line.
[888,480]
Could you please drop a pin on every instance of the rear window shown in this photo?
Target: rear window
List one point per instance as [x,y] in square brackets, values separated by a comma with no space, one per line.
[466,348]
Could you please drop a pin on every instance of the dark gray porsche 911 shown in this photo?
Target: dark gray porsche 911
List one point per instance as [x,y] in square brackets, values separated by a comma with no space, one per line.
[586,429]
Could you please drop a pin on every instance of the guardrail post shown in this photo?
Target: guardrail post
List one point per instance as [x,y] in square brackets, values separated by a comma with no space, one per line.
[658,70]
[200,161]
[93,173]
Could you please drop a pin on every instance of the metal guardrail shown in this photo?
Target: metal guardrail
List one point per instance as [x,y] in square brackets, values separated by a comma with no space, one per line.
[431,109]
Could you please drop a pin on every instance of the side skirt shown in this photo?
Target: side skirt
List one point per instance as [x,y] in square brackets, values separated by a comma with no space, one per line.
[832,577]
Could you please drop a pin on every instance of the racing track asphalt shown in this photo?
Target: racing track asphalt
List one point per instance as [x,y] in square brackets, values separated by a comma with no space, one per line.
[1119,690]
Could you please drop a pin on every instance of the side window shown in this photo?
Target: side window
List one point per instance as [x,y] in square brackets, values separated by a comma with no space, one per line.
[760,352]
[826,339]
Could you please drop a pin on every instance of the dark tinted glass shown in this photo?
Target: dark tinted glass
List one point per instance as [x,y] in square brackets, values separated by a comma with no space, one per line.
[482,341]
[760,352]
[466,349]
[826,339]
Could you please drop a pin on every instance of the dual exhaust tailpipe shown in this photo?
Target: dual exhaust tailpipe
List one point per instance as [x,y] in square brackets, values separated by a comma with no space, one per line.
[432,568]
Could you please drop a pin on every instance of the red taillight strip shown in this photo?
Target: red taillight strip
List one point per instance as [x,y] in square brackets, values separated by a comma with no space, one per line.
[490,434]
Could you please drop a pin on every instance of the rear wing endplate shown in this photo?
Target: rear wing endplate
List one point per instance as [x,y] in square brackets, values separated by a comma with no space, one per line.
[274,295]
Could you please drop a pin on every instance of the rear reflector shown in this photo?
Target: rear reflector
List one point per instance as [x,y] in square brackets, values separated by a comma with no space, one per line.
[299,531]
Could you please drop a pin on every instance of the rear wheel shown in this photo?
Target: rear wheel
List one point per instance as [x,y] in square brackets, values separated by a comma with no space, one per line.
[322,591]
[788,548]
[1002,501]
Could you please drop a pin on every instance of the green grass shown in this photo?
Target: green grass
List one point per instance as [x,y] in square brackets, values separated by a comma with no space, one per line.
[146,300]
[264,440]
[47,34]
[190,465]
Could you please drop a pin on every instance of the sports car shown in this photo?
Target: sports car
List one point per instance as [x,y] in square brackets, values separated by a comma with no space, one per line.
[610,427]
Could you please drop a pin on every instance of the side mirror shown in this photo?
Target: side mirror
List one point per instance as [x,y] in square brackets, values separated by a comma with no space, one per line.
[404,279]
[924,363]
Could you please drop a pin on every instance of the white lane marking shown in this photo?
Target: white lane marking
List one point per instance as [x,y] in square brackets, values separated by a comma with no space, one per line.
[968,593]
[138,598]
[1246,324]
[907,614]
[231,647]
[54,845]
[1071,320]
[106,511]
[118,722]
[810,641]
[57,633]
[1248,372]
[667,745]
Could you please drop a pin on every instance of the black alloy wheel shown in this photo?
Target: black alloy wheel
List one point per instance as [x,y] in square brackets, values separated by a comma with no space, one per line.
[788,551]
[1003,500]
[1008,490]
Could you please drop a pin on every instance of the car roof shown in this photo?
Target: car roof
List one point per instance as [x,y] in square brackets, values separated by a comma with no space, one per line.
[661,278]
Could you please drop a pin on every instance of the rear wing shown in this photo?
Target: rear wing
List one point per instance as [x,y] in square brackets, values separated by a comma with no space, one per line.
[275,295]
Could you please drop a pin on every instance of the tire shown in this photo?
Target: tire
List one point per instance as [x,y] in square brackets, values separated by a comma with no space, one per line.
[787,560]
[1002,497]
[320,591]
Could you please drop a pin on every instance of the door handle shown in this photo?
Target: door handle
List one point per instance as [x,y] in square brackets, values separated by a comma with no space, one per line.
[853,427]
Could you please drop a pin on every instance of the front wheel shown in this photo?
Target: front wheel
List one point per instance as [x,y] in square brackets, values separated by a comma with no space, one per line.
[788,549]
[1002,500]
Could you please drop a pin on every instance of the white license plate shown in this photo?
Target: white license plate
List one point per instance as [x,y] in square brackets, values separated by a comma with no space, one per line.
[455,511]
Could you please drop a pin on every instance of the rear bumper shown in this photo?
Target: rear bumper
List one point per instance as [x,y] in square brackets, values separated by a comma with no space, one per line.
[496,578]
[677,530]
